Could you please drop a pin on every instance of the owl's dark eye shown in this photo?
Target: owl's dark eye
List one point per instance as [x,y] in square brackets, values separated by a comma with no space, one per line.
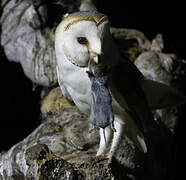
[82,40]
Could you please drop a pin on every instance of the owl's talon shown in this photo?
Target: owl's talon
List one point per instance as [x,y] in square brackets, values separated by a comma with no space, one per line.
[110,158]
[102,157]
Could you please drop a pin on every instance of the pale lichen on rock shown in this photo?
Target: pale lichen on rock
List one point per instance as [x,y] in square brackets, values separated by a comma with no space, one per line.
[27,42]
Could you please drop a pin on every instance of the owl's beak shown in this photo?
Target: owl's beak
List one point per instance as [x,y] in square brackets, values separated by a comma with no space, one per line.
[96,59]
[95,55]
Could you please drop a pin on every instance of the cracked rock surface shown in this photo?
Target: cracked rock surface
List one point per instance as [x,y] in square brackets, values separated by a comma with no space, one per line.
[26,39]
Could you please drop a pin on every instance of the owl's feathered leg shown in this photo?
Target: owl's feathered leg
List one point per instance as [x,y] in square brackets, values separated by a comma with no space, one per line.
[110,134]
[136,134]
[104,145]
[119,127]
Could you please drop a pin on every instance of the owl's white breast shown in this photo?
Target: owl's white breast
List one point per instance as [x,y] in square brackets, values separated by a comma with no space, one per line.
[77,83]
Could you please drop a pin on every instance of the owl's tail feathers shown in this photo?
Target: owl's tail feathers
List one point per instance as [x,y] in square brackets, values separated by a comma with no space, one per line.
[134,133]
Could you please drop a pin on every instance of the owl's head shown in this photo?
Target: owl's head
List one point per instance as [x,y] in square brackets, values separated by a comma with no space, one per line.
[81,37]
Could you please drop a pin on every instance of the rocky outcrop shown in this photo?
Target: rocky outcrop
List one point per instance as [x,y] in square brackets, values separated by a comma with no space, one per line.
[27,39]
[65,144]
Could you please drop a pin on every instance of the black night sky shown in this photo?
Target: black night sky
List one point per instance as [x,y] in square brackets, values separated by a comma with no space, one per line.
[20,105]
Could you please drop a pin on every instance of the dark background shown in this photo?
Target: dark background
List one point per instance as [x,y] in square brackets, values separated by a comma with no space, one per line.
[20,104]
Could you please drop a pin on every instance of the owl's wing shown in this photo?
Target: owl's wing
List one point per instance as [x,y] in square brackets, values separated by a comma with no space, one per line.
[160,95]
[138,96]
[125,86]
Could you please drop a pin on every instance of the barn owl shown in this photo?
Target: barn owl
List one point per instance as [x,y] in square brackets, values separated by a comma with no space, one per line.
[82,37]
